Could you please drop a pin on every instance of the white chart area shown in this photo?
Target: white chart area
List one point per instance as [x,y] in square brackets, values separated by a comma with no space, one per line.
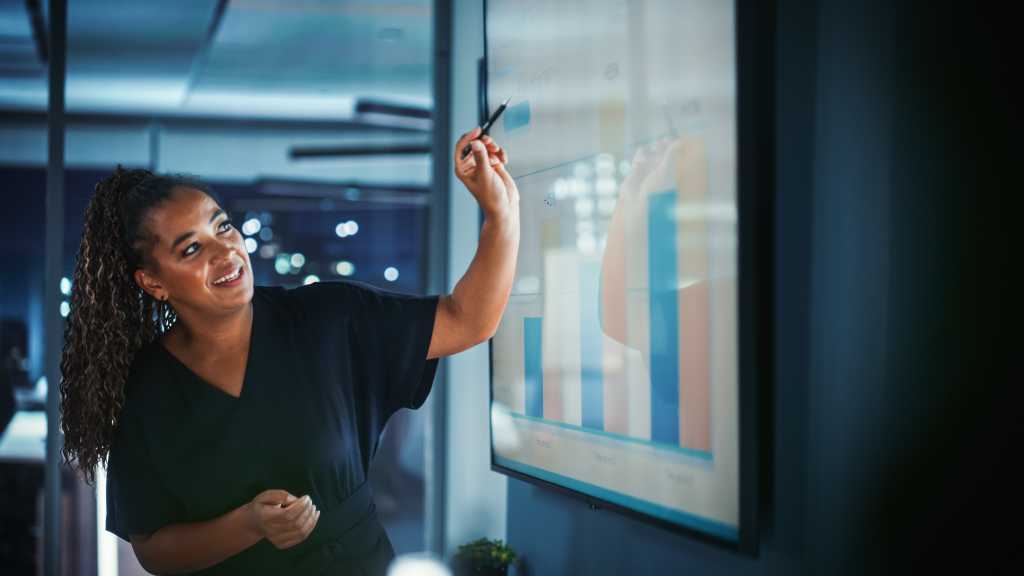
[615,365]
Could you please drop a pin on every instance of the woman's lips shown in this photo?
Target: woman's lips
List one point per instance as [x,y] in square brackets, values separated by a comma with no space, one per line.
[235,282]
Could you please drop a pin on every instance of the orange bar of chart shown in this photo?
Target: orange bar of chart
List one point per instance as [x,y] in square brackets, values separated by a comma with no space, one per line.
[694,303]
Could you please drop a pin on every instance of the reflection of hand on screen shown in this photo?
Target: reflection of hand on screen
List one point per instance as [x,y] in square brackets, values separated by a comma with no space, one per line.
[654,290]
[624,235]
[679,164]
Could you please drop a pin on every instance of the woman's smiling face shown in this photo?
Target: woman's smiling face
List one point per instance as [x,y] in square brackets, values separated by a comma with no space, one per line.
[199,258]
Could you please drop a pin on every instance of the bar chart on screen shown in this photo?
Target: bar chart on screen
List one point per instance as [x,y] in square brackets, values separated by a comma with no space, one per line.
[614,368]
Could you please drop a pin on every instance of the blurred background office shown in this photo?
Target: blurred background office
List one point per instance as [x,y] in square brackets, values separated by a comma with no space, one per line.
[312,120]
[326,126]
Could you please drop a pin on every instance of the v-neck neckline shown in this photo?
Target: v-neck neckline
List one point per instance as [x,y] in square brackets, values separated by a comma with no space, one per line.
[202,382]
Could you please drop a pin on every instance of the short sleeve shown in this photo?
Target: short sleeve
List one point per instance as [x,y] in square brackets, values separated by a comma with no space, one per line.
[391,333]
[137,502]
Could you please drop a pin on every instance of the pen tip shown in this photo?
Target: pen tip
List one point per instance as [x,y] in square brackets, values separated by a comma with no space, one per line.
[507,100]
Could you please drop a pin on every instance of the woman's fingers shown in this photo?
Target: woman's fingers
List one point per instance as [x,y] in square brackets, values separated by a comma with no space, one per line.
[307,529]
[274,497]
[492,146]
[479,153]
[510,184]
[290,524]
[297,508]
[495,153]
[493,149]
[291,519]
[499,157]
[304,517]
[485,154]
[464,139]
[298,528]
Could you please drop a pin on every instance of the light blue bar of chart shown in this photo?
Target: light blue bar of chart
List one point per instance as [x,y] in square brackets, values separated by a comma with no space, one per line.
[517,116]
[533,368]
[592,376]
[664,325]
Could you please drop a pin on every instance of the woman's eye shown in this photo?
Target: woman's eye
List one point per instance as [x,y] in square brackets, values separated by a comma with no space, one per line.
[223,227]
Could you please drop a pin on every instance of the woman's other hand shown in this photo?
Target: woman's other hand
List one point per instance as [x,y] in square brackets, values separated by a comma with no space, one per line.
[483,173]
[282,518]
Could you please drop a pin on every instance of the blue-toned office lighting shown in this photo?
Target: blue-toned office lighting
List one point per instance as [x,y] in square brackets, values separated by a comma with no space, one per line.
[391,274]
[65,286]
[65,309]
[283,263]
[345,268]
[251,226]
[251,245]
[266,234]
[298,260]
[311,279]
[345,229]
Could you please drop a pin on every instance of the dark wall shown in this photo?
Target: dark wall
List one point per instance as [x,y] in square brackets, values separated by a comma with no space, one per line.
[886,431]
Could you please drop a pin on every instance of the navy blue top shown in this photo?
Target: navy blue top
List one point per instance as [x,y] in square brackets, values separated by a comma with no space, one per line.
[328,365]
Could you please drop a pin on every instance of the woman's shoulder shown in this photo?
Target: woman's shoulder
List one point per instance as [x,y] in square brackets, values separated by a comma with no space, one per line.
[138,387]
[147,378]
[316,299]
[143,364]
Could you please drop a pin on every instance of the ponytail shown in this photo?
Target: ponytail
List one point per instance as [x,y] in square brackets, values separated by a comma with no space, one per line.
[111,318]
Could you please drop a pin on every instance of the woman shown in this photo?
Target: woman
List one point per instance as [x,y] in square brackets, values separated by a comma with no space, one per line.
[240,420]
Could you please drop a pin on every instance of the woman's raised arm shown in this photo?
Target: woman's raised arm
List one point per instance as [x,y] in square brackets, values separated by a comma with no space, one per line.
[471,313]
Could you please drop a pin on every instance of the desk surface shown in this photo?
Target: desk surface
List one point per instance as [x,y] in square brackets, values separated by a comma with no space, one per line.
[24,440]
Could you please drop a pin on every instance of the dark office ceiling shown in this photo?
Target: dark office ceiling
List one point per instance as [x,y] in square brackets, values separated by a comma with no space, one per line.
[264,58]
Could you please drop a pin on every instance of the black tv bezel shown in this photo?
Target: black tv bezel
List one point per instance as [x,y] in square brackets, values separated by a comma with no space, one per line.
[755,161]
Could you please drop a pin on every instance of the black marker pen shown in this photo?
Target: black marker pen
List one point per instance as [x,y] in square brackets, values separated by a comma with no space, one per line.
[487,126]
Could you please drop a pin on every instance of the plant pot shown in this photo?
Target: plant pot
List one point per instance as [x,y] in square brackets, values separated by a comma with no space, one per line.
[466,568]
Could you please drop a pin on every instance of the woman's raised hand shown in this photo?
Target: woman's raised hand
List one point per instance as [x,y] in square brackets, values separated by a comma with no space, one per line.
[282,518]
[483,172]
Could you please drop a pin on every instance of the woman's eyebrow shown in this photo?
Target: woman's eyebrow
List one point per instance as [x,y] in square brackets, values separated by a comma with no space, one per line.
[186,235]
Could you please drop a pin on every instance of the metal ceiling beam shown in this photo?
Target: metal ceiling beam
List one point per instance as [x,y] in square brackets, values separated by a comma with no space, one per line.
[35,16]
[368,106]
[21,117]
[199,62]
[313,152]
[349,190]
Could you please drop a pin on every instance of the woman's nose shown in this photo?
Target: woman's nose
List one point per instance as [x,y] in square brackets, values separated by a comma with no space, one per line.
[225,249]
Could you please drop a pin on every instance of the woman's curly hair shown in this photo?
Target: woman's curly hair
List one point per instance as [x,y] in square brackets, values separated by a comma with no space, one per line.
[111,317]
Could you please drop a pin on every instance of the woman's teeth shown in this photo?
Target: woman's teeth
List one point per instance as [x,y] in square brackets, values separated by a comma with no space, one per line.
[229,277]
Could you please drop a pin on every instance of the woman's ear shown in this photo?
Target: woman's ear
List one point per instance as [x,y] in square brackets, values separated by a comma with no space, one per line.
[150,284]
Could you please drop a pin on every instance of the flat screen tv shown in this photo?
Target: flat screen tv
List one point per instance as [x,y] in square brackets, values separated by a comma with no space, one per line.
[625,370]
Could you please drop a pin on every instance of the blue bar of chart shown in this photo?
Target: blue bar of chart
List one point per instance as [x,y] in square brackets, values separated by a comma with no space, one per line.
[592,376]
[664,322]
[533,368]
